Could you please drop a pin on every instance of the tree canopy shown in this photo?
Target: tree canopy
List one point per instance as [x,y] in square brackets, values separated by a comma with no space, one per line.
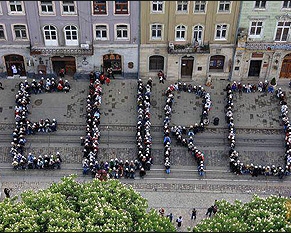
[271,214]
[71,206]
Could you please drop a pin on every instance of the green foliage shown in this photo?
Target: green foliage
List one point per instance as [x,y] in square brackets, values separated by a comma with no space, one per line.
[273,81]
[258,215]
[69,206]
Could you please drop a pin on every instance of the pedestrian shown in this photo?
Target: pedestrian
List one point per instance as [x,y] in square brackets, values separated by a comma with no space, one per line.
[14,69]
[162,212]
[7,192]
[209,211]
[194,213]
[161,76]
[62,73]
[179,221]
[1,86]
[110,73]
[107,81]
[142,173]
[170,216]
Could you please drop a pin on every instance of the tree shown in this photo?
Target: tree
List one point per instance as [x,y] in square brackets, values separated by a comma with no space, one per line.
[259,215]
[273,81]
[70,206]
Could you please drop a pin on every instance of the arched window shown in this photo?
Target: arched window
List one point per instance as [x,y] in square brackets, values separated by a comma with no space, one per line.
[216,63]
[50,35]
[198,34]
[180,33]
[71,35]
[156,63]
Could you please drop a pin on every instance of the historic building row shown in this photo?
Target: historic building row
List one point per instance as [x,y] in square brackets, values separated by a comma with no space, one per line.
[188,40]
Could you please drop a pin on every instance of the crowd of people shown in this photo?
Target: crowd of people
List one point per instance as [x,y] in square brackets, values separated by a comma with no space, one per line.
[115,168]
[46,85]
[23,127]
[236,165]
[180,132]
[143,134]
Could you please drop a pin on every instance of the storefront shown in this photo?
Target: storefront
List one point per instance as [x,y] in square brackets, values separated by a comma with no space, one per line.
[17,61]
[66,62]
[113,61]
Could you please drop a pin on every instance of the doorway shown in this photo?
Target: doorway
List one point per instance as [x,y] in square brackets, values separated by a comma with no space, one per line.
[286,67]
[113,61]
[255,68]
[187,67]
[67,62]
[18,61]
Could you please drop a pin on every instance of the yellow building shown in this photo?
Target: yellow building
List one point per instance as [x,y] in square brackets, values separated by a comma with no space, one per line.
[188,40]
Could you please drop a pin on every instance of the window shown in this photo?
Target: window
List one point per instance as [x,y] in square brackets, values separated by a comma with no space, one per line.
[20,32]
[200,7]
[197,34]
[46,7]
[99,8]
[71,35]
[50,35]
[224,6]
[2,33]
[157,6]
[68,7]
[156,31]
[260,4]
[221,30]
[122,32]
[286,4]
[182,6]
[216,63]
[121,7]
[1,9]
[180,33]
[156,63]
[15,7]
[256,28]
[101,32]
[282,31]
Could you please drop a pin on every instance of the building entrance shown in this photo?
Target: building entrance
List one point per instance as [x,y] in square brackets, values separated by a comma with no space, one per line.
[286,67]
[67,62]
[187,67]
[12,60]
[255,68]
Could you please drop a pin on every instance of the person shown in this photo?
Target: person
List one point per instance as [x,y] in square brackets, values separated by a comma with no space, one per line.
[110,72]
[1,87]
[14,69]
[179,221]
[62,73]
[193,214]
[209,211]
[161,76]
[7,192]
[162,212]
[170,216]
[107,81]
[142,173]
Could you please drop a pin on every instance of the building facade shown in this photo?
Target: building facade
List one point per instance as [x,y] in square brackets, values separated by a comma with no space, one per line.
[80,36]
[263,48]
[188,39]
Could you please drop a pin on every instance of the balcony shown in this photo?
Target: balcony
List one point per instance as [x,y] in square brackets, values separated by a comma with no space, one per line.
[187,48]
[60,51]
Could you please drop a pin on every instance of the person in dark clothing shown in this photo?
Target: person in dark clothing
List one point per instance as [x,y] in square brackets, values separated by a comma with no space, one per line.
[1,87]
[142,172]
[209,211]
[170,216]
[193,215]
[7,192]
